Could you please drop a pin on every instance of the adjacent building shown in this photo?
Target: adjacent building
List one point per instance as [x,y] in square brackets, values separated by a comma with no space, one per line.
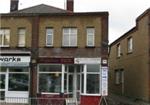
[51,52]
[129,61]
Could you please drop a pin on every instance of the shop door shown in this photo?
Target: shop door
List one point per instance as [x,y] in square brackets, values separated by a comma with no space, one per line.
[2,86]
[74,81]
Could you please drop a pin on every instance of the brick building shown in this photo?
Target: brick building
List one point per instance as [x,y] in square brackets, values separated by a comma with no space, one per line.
[129,59]
[49,52]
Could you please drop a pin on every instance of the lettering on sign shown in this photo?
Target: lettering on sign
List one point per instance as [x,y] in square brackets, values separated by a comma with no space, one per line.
[10,59]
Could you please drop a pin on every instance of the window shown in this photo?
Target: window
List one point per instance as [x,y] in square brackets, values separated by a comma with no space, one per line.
[21,37]
[90,36]
[119,76]
[118,50]
[4,37]
[49,36]
[18,79]
[50,78]
[70,37]
[130,45]
[93,79]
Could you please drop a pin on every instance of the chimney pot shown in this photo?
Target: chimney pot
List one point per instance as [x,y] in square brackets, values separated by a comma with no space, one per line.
[14,5]
[70,5]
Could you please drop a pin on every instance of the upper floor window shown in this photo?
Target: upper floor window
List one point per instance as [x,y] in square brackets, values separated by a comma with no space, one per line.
[4,37]
[118,50]
[70,37]
[21,37]
[49,36]
[130,45]
[90,36]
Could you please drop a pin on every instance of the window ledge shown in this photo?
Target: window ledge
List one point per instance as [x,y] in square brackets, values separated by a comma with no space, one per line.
[129,53]
[90,94]
[48,46]
[69,47]
[90,47]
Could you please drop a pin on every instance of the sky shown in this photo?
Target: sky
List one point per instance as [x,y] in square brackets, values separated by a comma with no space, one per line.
[122,13]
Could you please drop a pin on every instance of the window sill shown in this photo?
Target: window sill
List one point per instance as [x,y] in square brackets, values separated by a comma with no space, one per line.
[69,47]
[89,46]
[48,46]
[129,53]
[90,94]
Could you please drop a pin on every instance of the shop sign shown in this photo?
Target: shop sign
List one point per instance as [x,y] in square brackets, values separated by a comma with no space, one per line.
[104,81]
[56,60]
[87,60]
[14,60]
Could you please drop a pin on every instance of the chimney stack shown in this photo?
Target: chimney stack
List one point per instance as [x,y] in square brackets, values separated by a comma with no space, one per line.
[14,5]
[70,4]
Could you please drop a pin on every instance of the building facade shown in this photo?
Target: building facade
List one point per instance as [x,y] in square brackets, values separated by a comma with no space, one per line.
[129,59]
[51,52]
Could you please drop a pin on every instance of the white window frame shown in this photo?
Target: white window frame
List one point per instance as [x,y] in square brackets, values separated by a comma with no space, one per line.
[21,43]
[85,73]
[118,50]
[49,35]
[89,35]
[130,44]
[69,34]
[3,33]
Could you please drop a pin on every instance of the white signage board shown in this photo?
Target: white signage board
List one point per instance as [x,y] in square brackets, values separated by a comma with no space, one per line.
[87,60]
[14,60]
[104,82]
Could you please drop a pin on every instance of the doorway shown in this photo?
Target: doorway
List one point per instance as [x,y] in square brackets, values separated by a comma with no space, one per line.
[73,75]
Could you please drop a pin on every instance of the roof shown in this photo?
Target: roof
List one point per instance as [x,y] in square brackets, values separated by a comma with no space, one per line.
[147,12]
[42,8]
[46,10]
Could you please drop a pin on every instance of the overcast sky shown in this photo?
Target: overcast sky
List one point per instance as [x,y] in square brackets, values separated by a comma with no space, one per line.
[122,13]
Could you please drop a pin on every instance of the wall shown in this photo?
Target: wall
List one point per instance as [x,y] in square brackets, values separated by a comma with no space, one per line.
[135,65]
[13,23]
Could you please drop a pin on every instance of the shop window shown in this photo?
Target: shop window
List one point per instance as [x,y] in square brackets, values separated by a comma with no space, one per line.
[21,37]
[4,37]
[93,83]
[69,37]
[50,78]
[18,79]
[93,79]
[130,44]
[18,82]
[49,36]
[90,36]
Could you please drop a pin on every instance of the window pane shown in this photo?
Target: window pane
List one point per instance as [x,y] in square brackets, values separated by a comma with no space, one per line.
[50,68]
[1,38]
[18,82]
[93,68]
[18,69]
[2,95]
[49,40]
[90,36]
[2,81]
[69,37]
[130,45]
[49,36]
[50,83]
[93,83]
[21,37]
[6,39]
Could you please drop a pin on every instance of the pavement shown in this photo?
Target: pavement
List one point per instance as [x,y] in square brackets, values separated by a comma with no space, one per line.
[113,99]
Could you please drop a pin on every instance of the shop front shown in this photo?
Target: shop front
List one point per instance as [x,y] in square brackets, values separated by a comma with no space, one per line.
[78,78]
[14,78]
